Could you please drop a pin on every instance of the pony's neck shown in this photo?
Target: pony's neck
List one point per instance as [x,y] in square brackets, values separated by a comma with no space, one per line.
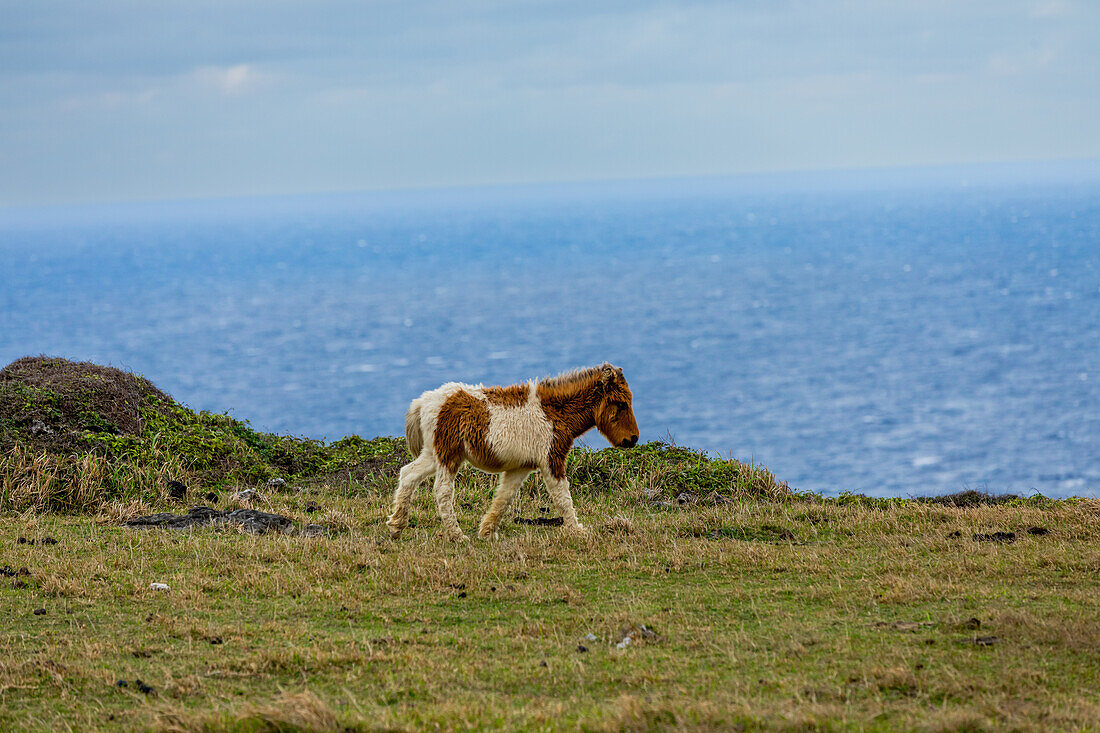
[572,408]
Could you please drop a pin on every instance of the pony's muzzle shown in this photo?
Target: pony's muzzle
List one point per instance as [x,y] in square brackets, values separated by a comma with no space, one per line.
[629,442]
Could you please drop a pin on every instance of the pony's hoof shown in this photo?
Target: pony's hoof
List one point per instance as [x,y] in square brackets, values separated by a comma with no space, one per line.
[460,539]
[487,534]
[395,533]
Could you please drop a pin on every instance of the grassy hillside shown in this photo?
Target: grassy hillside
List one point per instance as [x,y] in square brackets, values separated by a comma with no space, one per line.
[74,436]
[747,606]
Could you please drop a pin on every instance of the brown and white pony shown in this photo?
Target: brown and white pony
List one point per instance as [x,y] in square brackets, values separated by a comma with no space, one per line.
[511,431]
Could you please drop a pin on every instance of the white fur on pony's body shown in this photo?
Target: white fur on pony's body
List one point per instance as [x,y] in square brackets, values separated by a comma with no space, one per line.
[519,437]
[511,431]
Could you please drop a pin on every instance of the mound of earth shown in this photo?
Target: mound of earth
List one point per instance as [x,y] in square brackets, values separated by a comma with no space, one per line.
[55,404]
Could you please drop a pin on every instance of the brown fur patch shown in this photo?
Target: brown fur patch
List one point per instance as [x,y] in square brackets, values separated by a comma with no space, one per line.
[514,396]
[568,402]
[576,402]
[462,431]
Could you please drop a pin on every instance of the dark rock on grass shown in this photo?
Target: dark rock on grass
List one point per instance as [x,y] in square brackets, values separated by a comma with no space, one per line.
[1004,537]
[276,483]
[144,688]
[972,623]
[311,507]
[541,521]
[39,612]
[684,498]
[981,640]
[32,541]
[313,530]
[955,534]
[8,572]
[251,520]
[212,497]
[1038,531]
[177,490]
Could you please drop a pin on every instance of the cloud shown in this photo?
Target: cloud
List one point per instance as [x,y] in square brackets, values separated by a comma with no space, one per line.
[332,94]
[227,80]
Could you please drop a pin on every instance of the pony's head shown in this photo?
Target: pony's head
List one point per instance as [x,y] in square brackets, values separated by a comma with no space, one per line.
[615,413]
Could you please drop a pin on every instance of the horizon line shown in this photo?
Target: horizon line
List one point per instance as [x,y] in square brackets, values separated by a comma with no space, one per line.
[1088,165]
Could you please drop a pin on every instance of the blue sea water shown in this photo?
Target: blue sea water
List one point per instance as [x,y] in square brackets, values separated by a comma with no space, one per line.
[892,335]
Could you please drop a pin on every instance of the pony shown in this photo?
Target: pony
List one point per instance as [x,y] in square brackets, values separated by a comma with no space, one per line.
[511,431]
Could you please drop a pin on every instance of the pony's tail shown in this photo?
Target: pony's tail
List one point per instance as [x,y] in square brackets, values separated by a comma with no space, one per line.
[413,437]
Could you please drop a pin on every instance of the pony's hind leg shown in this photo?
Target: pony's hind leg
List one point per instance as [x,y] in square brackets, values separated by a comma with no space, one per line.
[412,475]
[510,481]
[445,501]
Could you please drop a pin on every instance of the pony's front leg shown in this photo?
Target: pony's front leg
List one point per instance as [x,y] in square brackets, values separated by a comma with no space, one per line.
[445,501]
[510,481]
[559,492]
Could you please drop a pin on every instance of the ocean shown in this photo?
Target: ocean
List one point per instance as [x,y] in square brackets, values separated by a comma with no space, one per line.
[899,333]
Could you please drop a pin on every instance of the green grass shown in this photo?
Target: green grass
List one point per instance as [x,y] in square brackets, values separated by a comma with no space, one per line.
[794,614]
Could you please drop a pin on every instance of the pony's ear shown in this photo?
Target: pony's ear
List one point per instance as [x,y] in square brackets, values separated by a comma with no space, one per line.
[607,373]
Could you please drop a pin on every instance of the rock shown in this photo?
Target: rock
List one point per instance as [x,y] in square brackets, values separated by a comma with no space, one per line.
[248,495]
[582,648]
[1038,531]
[313,530]
[627,640]
[664,505]
[996,537]
[685,498]
[251,520]
[144,688]
[589,637]
[39,612]
[177,490]
[162,587]
[212,497]
[541,521]
[276,483]
[8,572]
[39,427]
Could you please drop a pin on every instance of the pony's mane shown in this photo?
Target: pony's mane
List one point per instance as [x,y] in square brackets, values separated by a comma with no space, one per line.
[571,377]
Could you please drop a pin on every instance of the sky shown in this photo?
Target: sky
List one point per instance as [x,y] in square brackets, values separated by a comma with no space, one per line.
[136,100]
